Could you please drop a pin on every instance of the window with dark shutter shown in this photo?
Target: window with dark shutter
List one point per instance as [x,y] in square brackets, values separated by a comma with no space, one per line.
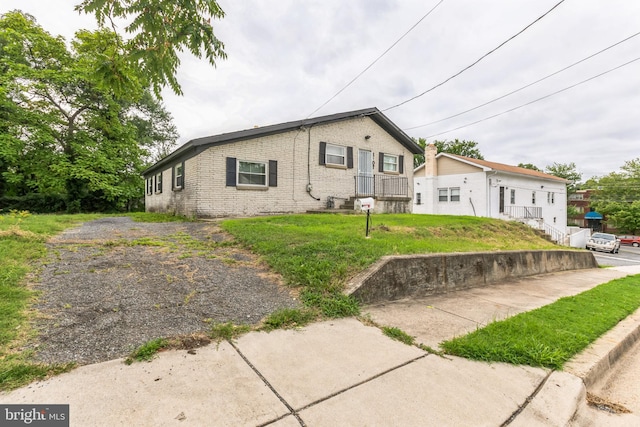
[273,173]
[231,171]
[323,152]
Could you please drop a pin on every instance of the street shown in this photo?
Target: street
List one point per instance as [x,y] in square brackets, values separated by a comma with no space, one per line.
[628,255]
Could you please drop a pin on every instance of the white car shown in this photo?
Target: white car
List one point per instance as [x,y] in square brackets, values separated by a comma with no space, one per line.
[603,242]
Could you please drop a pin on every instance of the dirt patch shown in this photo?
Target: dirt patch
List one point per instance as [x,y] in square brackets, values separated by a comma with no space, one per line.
[606,405]
[114,284]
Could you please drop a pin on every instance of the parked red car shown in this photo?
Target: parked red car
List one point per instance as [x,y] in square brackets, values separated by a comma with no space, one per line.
[630,240]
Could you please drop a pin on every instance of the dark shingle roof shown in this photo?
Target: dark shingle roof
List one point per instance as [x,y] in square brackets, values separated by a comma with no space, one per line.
[195,146]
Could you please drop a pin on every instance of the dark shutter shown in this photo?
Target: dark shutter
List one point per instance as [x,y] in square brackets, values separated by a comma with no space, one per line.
[350,157]
[231,171]
[323,152]
[381,162]
[173,178]
[273,173]
[182,180]
[401,165]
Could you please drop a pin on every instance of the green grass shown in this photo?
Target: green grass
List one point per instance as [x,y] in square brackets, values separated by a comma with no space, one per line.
[319,253]
[156,217]
[147,351]
[227,331]
[289,318]
[551,335]
[398,335]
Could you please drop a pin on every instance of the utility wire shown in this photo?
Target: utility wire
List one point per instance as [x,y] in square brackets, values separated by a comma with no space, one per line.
[477,61]
[524,87]
[535,100]
[376,60]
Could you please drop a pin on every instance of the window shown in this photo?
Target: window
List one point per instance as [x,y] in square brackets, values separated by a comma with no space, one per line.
[335,155]
[533,197]
[390,163]
[455,194]
[449,194]
[513,196]
[150,185]
[159,183]
[252,173]
[248,175]
[418,198]
[178,176]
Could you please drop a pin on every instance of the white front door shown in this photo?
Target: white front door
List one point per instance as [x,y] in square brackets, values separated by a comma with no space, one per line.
[365,173]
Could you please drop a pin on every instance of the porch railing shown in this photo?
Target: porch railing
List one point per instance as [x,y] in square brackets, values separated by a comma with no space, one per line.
[523,212]
[381,186]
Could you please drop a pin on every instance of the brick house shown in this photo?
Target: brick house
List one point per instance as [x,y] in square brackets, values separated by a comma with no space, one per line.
[292,167]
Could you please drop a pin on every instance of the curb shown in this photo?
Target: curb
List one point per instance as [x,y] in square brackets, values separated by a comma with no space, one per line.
[593,363]
[565,391]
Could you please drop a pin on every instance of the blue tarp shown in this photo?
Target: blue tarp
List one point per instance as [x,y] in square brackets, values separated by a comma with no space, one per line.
[593,215]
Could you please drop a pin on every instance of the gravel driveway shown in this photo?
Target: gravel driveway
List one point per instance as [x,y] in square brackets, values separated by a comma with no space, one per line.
[112,284]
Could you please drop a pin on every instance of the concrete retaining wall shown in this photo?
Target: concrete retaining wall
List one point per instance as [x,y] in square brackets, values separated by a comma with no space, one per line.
[397,277]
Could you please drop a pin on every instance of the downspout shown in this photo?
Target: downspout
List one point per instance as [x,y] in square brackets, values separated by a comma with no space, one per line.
[473,207]
[489,194]
[309,186]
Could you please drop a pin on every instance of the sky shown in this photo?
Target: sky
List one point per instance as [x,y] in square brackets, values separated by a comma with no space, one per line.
[288,58]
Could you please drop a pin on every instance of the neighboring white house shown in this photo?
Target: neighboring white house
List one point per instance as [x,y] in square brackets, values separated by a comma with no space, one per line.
[291,167]
[456,185]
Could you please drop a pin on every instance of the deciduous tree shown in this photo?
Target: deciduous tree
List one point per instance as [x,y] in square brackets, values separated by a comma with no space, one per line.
[461,148]
[155,32]
[65,130]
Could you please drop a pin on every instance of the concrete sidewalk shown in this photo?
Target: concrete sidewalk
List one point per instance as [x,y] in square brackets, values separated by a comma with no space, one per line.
[342,372]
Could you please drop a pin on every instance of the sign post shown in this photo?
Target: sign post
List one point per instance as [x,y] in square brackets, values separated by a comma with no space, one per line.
[366,204]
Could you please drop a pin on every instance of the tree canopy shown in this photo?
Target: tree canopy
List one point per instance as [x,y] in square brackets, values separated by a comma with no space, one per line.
[567,171]
[158,31]
[461,148]
[617,196]
[65,131]
[530,166]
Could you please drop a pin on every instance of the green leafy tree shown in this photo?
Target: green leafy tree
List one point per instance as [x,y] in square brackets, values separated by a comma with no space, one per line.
[461,148]
[567,171]
[159,30]
[529,166]
[65,130]
[617,196]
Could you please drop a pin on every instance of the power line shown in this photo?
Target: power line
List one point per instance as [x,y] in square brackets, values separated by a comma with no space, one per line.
[535,100]
[376,60]
[526,86]
[477,61]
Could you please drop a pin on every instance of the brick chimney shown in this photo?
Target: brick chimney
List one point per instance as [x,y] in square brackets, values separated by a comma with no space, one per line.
[430,165]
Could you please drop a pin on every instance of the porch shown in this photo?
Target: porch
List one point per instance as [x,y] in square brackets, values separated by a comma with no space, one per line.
[381,186]
[391,194]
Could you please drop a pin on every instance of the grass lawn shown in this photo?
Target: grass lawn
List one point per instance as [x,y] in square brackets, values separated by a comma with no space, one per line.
[321,252]
[551,335]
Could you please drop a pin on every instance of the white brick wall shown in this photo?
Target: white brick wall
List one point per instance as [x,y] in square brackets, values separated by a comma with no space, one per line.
[297,154]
